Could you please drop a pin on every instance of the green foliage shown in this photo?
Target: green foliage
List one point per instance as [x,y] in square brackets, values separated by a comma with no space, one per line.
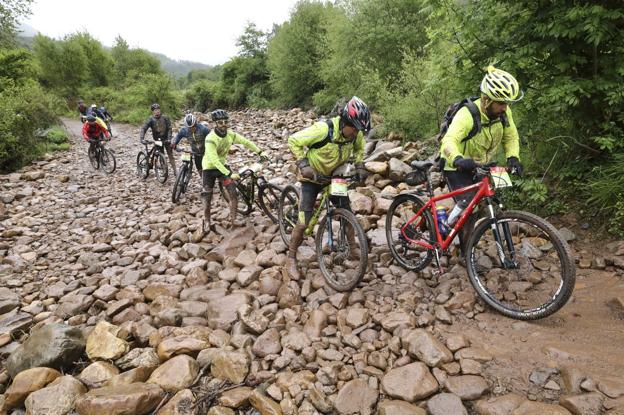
[24,108]
[298,51]
[131,64]
[57,135]
[10,13]
[200,95]
[15,65]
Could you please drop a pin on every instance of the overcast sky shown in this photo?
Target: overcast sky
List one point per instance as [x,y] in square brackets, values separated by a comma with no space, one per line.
[200,31]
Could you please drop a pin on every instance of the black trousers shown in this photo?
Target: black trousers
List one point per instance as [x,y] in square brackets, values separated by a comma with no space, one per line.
[309,192]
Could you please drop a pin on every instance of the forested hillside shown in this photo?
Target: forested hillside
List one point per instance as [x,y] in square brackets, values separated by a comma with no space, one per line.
[407,59]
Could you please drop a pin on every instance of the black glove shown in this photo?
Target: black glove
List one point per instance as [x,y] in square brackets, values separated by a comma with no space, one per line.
[360,172]
[306,170]
[464,164]
[515,166]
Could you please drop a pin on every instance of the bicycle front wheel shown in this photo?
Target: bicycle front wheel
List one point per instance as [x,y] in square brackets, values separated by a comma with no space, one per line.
[160,167]
[401,236]
[178,186]
[288,212]
[535,276]
[268,199]
[142,165]
[107,161]
[245,194]
[93,157]
[341,249]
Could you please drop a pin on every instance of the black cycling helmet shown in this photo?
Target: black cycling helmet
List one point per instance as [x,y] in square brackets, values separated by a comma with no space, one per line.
[219,115]
[190,120]
[91,118]
[357,114]
[155,107]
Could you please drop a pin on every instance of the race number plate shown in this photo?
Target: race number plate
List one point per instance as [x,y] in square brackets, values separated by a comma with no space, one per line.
[158,143]
[500,177]
[339,187]
[186,157]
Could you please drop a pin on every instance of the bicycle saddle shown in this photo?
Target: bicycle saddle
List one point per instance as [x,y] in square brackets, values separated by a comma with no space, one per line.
[421,165]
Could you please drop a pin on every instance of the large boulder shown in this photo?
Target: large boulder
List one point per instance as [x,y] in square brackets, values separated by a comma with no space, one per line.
[136,399]
[421,385]
[356,397]
[54,345]
[58,398]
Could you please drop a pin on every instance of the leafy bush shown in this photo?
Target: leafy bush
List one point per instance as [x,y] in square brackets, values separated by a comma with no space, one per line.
[23,109]
[57,135]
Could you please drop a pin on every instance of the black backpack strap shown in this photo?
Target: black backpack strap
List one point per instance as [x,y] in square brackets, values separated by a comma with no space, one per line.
[476,118]
[328,138]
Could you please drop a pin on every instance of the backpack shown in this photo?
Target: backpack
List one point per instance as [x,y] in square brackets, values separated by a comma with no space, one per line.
[328,138]
[452,110]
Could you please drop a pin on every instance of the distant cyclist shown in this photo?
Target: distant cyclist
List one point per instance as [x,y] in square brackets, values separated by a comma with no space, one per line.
[161,130]
[196,134]
[93,131]
[102,114]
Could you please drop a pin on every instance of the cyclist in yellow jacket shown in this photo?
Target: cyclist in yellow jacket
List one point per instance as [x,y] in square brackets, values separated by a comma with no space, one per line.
[322,148]
[460,156]
[217,147]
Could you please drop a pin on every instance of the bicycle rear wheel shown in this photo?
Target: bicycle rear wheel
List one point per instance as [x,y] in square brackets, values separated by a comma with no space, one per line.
[288,212]
[268,199]
[160,167]
[142,165]
[178,186]
[399,233]
[538,274]
[343,257]
[107,161]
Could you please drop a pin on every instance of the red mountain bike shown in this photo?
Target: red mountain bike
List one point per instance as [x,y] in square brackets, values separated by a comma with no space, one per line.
[517,262]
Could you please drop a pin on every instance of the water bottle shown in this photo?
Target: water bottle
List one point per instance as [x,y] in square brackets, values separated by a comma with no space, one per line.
[455,213]
[441,214]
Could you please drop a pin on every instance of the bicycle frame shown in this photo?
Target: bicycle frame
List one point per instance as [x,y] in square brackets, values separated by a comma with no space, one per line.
[484,191]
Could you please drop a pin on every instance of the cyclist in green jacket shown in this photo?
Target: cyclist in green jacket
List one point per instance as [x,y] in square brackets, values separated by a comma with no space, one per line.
[499,89]
[217,147]
[317,152]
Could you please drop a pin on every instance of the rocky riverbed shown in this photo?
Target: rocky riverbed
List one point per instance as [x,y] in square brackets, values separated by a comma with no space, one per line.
[112,301]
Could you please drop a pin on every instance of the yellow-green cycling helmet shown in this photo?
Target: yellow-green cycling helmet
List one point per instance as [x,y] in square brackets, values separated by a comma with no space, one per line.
[499,85]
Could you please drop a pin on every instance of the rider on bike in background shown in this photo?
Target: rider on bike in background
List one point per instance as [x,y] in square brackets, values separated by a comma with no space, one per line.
[459,157]
[93,131]
[196,135]
[103,115]
[217,147]
[161,130]
[317,152]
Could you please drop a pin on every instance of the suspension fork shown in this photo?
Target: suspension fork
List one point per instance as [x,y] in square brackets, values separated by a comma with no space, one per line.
[506,261]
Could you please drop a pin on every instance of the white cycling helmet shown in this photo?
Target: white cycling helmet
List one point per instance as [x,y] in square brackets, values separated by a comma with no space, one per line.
[500,86]
[190,120]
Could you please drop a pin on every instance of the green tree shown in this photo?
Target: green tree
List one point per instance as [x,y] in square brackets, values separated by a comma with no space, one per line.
[99,61]
[10,13]
[298,51]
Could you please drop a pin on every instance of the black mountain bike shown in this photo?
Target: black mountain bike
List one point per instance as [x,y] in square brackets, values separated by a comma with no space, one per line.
[184,174]
[99,156]
[268,193]
[152,158]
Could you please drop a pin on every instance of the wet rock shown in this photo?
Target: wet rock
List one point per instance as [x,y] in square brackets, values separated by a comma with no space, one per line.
[231,366]
[467,387]
[97,374]
[182,403]
[180,345]
[424,346]
[584,404]
[422,384]
[58,398]
[9,300]
[356,397]
[137,399]
[402,408]
[139,357]
[235,398]
[175,374]
[264,404]
[446,403]
[267,343]
[53,345]
[104,344]
[26,382]
[222,312]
